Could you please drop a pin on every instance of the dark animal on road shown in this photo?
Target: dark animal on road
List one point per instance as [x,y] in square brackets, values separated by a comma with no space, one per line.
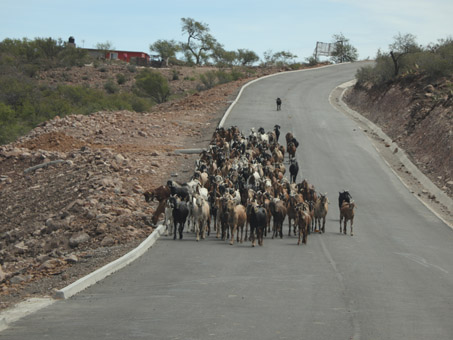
[278,211]
[279,104]
[258,222]
[289,137]
[344,196]
[347,214]
[182,191]
[293,171]
[180,213]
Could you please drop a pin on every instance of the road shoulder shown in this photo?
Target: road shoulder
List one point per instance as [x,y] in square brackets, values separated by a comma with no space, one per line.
[395,157]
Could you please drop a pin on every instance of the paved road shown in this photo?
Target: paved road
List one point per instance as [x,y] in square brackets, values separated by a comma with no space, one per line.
[392,280]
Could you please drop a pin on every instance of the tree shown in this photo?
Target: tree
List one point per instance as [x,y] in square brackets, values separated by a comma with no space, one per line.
[402,45]
[222,57]
[154,85]
[247,57]
[166,49]
[284,57]
[199,41]
[343,50]
[269,58]
[106,47]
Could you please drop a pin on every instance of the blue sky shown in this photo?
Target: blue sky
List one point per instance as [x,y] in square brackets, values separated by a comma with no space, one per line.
[279,25]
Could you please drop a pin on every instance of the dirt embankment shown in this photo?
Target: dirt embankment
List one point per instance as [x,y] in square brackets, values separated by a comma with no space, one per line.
[418,115]
[72,189]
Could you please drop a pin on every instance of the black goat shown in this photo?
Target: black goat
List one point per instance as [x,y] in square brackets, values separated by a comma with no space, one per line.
[258,222]
[293,170]
[180,213]
[182,191]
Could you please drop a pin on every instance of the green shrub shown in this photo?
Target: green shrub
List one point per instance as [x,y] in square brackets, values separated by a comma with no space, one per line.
[295,66]
[152,84]
[121,79]
[110,87]
[175,75]
[208,79]
[223,77]
[236,74]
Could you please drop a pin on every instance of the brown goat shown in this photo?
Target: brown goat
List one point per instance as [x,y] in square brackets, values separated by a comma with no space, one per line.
[161,193]
[237,216]
[278,210]
[303,221]
[320,211]
[347,213]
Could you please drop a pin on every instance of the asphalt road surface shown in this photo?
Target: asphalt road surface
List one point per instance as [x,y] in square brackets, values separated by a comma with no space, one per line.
[392,280]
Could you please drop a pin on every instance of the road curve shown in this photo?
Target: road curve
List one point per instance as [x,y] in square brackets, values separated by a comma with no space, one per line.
[392,280]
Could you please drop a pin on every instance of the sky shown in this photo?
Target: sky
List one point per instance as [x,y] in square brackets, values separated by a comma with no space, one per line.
[258,25]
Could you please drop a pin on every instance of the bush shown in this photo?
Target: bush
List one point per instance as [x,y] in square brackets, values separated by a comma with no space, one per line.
[236,74]
[434,62]
[175,75]
[208,79]
[110,87]
[223,77]
[154,85]
[121,79]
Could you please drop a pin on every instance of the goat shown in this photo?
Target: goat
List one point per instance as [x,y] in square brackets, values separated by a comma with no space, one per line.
[291,212]
[303,222]
[289,137]
[168,221]
[320,211]
[293,170]
[180,212]
[278,211]
[182,191]
[237,217]
[291,150]
[279,104]
[161,193]
[277,131]
[347,213]
[344,196]
[202,216]
[258,221]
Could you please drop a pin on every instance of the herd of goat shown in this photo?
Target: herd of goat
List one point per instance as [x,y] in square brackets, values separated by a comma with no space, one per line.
[239,185]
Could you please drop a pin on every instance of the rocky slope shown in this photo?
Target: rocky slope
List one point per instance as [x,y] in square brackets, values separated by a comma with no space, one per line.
[72,189]
[418,115]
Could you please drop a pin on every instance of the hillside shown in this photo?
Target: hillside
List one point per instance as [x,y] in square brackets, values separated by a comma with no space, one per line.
[418,115]
[83,206]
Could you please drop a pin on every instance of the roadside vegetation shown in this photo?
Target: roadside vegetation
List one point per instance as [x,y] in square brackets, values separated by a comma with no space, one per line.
[26,100]
[405,59]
